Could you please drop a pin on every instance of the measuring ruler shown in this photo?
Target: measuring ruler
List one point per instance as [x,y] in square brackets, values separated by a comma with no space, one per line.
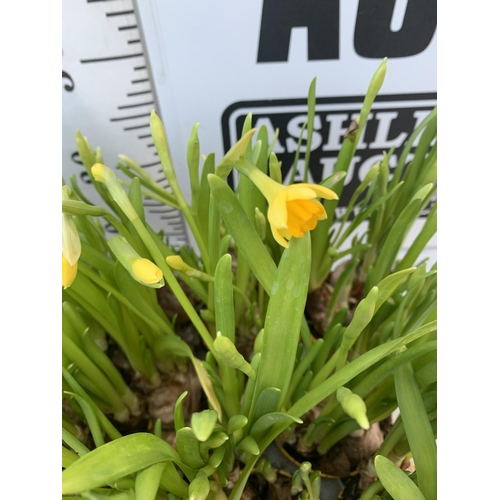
[108,95]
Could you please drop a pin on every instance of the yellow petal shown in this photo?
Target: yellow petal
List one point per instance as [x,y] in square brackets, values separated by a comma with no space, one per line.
[278,237]
[277,214]
[146,271]
[300,192]
[321,191]
[68,273]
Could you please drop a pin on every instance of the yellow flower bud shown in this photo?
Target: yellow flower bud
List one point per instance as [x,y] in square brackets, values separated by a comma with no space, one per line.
[142,270]
[176,262]
[68,273]
[102,173]
[146,271]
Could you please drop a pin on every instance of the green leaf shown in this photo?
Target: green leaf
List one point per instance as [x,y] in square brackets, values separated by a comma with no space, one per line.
[148,481]
[395,238]
[264,423]
[267,402]
[249,445]
[236,422]
[199,487]
[135,197]
[115,460]
[90,417]
[193,161]
[418,429]
[395,481]
[178,413]
[284,318]
[224,168]
[189,448]
[223,292]
[68,457]
[245,236]
[172,481]
[203,424]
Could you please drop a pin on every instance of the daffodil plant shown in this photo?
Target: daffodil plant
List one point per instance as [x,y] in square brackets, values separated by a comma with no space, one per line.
[265,367]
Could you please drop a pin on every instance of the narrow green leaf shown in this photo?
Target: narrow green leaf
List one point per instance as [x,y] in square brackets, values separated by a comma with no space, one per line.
[135,197]
[245,236]
[90,417]
[396,236]
[171,481]
[223,292]
[284,318]
[395,481]
[115,460]
[418,429]
[233,155]
[148,481]
[267,402]
[178,413]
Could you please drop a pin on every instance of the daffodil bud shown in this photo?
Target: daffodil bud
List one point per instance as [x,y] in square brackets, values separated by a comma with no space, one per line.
[106,175]
[68,273]
[176,262]
[71,245]
[228,353]
[142,270]
[354,406]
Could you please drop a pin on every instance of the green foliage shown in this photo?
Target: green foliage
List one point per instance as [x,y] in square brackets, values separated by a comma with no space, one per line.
[262,362]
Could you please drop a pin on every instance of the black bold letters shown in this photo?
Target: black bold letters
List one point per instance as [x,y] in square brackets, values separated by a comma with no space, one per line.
[321,17]
[373,37]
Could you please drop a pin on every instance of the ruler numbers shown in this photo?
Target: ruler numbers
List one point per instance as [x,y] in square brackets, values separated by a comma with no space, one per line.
[108,96]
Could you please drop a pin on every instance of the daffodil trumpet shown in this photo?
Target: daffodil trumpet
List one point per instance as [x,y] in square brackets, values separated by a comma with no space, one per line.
[293,210]
[142,270]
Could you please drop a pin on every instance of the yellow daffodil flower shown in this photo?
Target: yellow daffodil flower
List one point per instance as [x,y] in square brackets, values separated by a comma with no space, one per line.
[293,210]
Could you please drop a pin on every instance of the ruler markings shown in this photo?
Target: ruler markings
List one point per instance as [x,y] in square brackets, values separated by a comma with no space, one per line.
[119,13]
[113,58]
[136,127]
[169,218]
[139,93]
[128,117]
[136,105]
[146,165]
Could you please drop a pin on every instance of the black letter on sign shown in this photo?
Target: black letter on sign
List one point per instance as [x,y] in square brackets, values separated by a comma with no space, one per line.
[321,17]
[373,36]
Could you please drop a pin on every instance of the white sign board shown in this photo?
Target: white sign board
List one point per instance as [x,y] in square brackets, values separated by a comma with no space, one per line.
[215,61]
